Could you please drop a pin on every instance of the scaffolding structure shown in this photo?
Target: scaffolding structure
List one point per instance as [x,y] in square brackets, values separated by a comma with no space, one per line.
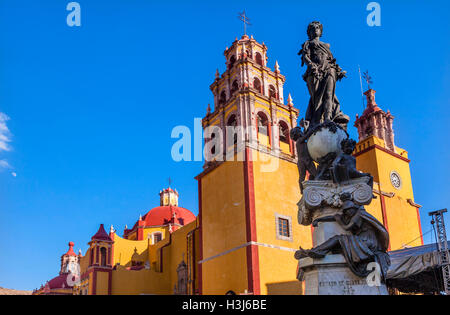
[438,221]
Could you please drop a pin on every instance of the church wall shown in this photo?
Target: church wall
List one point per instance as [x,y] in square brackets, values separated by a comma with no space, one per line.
[375,207]
[175,253]
[124,250]
[403,223]
[147,233]
[133,282]
[225,273]
[102,283]
[277,193]
[84,261]
[223,229]
[401,218]
[367,162]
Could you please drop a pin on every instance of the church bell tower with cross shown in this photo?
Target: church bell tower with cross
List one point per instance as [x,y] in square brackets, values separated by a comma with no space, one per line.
[377,154]
[248,189]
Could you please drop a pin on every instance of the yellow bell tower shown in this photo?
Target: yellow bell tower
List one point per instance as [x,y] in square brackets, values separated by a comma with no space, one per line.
[248,189]
[377,154]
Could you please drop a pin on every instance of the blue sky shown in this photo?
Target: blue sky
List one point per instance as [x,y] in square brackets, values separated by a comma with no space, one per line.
[91,109]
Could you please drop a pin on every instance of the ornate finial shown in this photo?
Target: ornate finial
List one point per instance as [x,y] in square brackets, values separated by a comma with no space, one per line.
[170,181]
[217,74]
[111,229]
[140,217]
[245,20]
[79,252]
[277,66]
[126,227]
[208,110]
[367,78]
[290,100]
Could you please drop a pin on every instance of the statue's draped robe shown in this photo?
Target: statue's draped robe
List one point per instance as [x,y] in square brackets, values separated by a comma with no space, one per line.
[323,104]
[369,244]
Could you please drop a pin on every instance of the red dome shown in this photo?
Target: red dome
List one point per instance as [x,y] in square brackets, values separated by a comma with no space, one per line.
[59,282]
[165,214]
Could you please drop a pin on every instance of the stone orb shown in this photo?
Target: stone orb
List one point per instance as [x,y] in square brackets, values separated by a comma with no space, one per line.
[325,141]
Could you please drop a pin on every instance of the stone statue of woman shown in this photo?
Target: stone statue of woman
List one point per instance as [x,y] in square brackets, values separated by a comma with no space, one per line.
[321,76]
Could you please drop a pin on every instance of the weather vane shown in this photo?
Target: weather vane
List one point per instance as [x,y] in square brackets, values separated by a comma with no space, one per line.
[367,78]
[245,20]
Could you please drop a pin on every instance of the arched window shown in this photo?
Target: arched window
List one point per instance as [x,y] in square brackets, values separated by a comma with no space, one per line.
[213,149]
[103,256]
[263,124]
[157,237]
[257,85]
[272,91]
[222,98]
[284,132]
[231,62]
[232,122]
[259,59]
[234,87]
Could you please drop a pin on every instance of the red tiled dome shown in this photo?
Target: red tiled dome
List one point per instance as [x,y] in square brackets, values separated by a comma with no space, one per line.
[59,282]
[165,214]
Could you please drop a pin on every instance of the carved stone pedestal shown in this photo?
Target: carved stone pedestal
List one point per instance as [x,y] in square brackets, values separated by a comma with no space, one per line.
[331,276]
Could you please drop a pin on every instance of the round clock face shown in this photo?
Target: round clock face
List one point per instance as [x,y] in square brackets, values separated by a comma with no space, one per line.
[396,181]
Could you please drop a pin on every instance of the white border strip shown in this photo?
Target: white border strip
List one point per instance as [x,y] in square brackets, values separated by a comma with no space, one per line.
[245,245]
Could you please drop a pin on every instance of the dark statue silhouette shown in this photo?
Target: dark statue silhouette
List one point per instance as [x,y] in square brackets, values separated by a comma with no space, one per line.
[329,196]
[321,75]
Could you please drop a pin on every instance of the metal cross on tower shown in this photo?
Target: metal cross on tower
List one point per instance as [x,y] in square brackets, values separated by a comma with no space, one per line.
[245,20]
[438,221]
[360,82]
[367,78]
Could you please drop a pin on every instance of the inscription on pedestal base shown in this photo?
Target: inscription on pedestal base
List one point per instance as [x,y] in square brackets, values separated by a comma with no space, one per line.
[331,276]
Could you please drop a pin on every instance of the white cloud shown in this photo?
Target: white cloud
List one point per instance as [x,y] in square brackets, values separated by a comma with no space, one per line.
[14,174]
[5,138]
[5,134]
[4,164]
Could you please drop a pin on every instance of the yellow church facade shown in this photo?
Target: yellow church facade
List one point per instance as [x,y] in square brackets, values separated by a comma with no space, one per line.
[246,232]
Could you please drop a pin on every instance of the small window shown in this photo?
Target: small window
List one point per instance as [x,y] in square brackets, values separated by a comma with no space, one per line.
[263,124]
[232,122]
[257,85]
[272,91]
[259,59]
[232,61]
[213,149]
[234,87]
[103,256]
[283,227]
[222,98]
[284,132]
[157,237]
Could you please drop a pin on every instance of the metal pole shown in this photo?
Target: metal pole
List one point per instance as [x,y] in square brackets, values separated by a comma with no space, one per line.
[438,221]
